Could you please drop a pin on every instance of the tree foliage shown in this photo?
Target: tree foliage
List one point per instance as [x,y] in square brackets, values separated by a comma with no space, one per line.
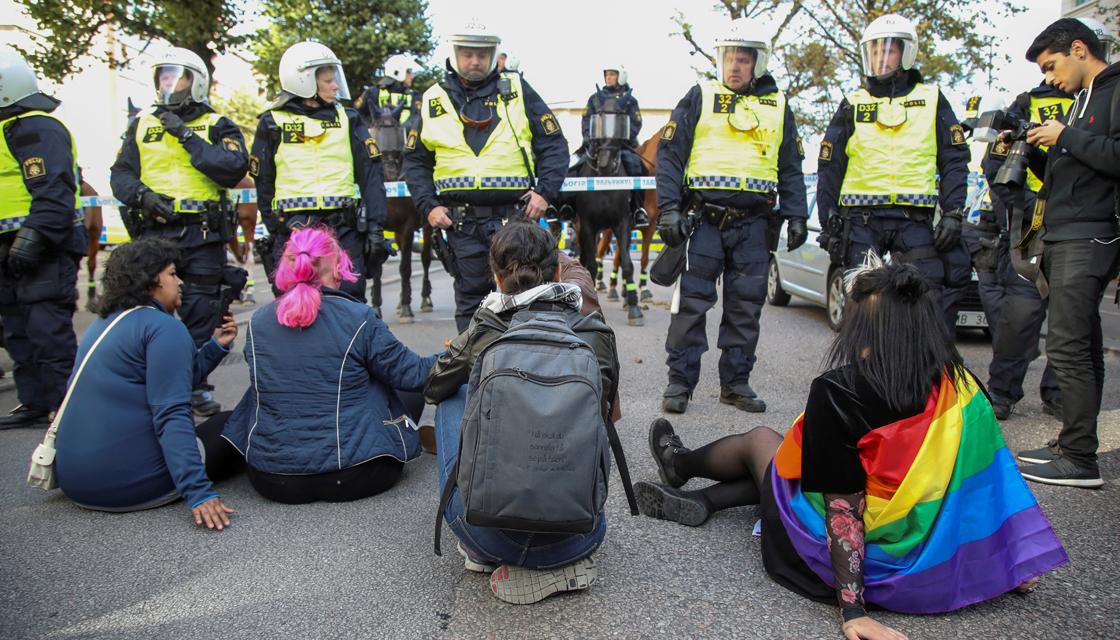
[816,43]
[71,28]
[362,33]
[242,107]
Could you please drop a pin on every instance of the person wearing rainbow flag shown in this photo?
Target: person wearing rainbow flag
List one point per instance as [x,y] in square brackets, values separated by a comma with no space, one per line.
[893,488]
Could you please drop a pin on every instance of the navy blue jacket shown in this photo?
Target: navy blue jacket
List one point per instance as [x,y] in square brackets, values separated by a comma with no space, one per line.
[550,149]
[321,399]
[52,191]
[673,154]
[127,436]
[367,170]
[952,157]
[627,104]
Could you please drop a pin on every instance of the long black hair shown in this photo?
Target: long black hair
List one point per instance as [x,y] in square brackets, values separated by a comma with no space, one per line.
[131,272]
[523,255]
[894,335]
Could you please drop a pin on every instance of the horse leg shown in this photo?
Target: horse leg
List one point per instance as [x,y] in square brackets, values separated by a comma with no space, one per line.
[588,243]
[634,315]
[426,263]
[643,279]
[404,247]
[604,243]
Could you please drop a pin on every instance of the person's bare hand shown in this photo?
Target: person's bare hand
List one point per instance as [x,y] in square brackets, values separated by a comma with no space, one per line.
[866,628]
[226,332]
[213,513]
[438,218]
[536,206]
[1046,134]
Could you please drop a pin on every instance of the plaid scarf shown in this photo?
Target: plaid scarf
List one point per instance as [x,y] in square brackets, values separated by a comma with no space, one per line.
[561,292]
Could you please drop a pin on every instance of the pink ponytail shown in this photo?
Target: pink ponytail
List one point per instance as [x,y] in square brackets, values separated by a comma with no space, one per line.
[307,255]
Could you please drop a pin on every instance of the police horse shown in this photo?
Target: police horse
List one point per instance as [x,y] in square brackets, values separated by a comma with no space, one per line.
[402,218]
[610,210]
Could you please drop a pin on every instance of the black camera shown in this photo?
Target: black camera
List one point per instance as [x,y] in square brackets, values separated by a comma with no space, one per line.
[1002,128]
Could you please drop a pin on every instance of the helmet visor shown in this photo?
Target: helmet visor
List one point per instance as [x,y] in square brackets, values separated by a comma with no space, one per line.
[882,56]
[474,63]
[173,84]
[330,83]
[736,65]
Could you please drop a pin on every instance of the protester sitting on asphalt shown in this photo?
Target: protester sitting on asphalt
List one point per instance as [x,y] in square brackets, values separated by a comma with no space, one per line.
[894,485]
[525,567]
[127,439]
[323,417]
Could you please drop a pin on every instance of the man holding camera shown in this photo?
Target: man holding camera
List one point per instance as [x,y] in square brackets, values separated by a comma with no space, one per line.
[1076,209]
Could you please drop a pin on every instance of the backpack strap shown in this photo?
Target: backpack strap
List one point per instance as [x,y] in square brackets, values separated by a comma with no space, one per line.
[445,498]
[620,462]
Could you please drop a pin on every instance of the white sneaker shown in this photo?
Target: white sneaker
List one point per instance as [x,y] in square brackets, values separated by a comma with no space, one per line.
[521,585]
[473,565]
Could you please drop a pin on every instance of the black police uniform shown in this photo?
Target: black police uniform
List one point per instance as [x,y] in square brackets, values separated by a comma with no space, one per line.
[487,208]
[1015,309]
[905,232]
[223,159]
[368,173]
[371,99]
[37,308]
[617,99]
[740,251]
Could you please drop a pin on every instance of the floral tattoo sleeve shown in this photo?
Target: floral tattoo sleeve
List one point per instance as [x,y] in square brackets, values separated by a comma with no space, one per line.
[844,530]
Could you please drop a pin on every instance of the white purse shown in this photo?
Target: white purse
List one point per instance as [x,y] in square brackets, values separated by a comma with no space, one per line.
[41,473]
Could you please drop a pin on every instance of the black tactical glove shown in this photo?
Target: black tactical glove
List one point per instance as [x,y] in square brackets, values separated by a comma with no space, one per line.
[174,125]
[377,250]
[796,233]
[671,227]
[158,207]
[26,250]
[948,231]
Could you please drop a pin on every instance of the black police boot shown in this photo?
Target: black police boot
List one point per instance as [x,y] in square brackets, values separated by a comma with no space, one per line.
[203,403]
[742,397]
[25,417]
[1002,408]
[641,218]
[675,398]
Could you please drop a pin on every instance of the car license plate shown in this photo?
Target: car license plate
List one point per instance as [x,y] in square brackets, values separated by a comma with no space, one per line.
[971,319]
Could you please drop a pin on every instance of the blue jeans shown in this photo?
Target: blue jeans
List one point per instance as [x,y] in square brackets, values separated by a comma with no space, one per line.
[501,546]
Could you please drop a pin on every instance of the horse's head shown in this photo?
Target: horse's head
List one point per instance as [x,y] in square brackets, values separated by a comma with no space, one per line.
[389,134]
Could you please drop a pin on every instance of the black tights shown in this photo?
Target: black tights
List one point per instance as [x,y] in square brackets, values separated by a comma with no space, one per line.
[738,462]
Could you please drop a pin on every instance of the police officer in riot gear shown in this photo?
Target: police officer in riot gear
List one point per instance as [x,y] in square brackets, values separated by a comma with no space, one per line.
[892,153]
[393,91]
[732,146]
[1021,310]
[42,238]
[484,148]
[308,154]
[174,165]
[616,97]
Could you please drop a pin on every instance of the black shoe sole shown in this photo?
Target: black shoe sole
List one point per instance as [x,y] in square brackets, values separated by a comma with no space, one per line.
[656,502]
[667,477]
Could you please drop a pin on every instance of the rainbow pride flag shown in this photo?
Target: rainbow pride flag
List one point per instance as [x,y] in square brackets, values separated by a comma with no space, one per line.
[949,521]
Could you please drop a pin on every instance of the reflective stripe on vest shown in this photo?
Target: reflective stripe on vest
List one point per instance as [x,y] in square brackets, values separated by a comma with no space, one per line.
[15,199]
[165,166]
[1043,109]
[726,157]
[500,164]
[314,163]
[892,165]
[387,98]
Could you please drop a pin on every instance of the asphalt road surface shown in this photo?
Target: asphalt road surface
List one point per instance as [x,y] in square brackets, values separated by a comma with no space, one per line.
[366,569]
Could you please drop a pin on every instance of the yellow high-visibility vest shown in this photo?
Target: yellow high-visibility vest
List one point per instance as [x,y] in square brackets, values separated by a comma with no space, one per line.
[165,166]
[736,140]
[892,164]
[314,162]
[1043,109]
[15,199]
[502,162]
[388,98]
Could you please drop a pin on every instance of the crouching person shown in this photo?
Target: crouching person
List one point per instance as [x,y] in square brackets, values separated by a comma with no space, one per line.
[126,438]
[528,390]
[323,417]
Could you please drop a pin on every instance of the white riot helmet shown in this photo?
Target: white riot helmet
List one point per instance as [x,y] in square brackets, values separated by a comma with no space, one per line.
[179,77]
[623,76]
[743,33]
[884,34]
[17,80]
[513,63]
[399,66]
[300,64]
[474,36]
[1104,34]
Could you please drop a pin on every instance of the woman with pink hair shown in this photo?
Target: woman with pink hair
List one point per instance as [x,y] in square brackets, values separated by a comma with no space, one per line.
[322,418]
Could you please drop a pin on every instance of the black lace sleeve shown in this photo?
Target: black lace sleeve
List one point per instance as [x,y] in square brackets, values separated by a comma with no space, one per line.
[844,530]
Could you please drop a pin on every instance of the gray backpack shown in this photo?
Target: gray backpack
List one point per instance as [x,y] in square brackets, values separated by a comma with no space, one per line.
[533,453]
